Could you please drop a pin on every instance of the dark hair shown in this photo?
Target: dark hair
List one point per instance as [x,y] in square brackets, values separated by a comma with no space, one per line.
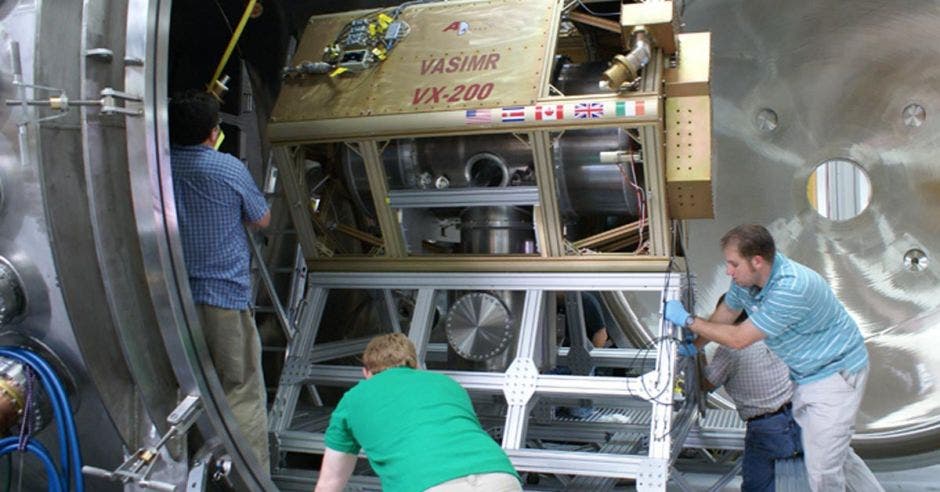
[751,240]
[193,115]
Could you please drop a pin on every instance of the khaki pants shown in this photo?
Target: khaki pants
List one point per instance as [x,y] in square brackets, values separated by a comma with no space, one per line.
[484,482]
[235,347]
[826,410]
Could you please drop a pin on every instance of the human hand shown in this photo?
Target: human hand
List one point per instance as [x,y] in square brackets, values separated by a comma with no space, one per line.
[675,312]
[687,349]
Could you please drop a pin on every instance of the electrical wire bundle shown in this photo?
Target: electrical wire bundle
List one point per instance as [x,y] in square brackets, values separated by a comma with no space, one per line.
[68,475]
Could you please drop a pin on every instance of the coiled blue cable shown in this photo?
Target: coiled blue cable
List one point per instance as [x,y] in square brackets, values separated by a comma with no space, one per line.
[11,444]
[65,423]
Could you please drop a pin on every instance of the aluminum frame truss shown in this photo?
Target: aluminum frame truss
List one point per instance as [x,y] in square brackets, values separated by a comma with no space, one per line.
[521,384]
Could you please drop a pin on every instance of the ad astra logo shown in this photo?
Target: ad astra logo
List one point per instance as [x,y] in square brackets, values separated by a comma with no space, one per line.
[460,26]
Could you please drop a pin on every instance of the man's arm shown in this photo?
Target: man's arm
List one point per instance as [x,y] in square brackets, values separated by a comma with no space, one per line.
[263,222]
[335,471]
[734,336]
[723,315]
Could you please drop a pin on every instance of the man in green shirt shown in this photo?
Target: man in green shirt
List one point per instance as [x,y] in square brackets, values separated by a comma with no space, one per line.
[418,429]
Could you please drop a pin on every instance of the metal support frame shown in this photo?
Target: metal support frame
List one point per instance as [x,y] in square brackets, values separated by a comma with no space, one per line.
[521,385]
[286,323]
[654,164]
[466,197]
[378,185]
[285,402]
[547,214]
[298,202]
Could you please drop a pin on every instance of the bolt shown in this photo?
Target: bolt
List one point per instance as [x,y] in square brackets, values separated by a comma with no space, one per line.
[915,260]
[914,115]
[766,120]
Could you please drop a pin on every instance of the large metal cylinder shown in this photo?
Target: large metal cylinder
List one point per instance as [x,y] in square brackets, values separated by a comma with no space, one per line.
[496,230]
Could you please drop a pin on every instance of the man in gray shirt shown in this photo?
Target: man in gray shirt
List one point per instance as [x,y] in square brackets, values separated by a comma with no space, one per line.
[759,384]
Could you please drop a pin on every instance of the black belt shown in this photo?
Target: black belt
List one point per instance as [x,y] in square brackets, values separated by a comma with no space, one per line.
[778,411]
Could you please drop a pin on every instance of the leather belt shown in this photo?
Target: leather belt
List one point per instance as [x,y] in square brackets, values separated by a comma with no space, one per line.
[778,411]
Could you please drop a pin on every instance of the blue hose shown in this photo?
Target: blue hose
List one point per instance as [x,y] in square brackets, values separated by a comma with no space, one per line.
[69,422]
[68,437]
[57,410]
[11,444]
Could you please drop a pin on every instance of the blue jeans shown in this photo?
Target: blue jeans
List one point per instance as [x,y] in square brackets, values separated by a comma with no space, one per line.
[765,441]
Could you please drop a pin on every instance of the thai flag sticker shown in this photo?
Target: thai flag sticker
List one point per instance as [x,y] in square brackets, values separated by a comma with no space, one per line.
[553,112]
[588,110]
[478,116]
[513,114]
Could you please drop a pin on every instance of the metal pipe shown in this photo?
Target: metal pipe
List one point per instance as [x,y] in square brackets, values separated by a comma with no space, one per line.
[631,329]
[626,68]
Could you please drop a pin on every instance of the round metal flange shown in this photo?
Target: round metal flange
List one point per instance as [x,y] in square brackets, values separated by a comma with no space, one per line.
[478,326]
[12,294]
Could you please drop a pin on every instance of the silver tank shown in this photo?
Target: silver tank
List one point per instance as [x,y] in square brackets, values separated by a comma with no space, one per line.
[88,225]
[800,84]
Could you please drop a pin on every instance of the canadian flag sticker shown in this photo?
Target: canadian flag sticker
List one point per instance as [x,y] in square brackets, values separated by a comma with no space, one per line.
[552,112]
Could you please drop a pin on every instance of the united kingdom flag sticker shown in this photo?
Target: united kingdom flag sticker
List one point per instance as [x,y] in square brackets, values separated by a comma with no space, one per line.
[588,110]
[552,112]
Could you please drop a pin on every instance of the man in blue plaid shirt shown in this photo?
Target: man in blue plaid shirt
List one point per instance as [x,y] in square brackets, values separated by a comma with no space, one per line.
[215,197]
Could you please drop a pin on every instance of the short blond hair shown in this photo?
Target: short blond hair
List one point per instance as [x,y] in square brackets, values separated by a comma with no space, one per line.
[391,350]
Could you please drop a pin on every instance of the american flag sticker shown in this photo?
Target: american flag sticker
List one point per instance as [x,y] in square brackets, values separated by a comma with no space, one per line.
[513,114]
[552,112]
[630,108]
[588,110]
[478,116]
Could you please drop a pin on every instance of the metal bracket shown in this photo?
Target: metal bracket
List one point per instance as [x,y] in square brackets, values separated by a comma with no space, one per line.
[137,467]
[653,474]
[62,103]
[109,98]
[521,377]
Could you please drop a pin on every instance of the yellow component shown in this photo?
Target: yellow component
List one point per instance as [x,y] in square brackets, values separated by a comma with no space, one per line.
[691,75]
[379,53]
[231,44]
[338,71]
[658,20]
[10,390]
[689,157]
[811,191]
[58,103]
[372,30]
[220,139]
[384,21]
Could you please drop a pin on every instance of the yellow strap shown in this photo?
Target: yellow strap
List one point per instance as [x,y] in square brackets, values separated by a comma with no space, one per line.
[338,71]
[231,44]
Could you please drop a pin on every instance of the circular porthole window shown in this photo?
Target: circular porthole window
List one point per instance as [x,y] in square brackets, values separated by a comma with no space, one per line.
[839,189]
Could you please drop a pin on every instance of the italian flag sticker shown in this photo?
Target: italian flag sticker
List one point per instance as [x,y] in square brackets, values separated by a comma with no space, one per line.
[630,108]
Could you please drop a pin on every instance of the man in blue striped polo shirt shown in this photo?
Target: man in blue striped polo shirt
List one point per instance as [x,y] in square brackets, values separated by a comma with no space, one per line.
[215,197]
[797,315]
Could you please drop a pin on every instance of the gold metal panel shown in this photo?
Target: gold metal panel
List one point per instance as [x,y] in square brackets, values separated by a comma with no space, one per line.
[658,19]
[458,55]
[688,157]
[691,77]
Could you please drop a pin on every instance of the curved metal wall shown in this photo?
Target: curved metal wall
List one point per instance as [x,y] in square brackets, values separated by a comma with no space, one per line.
[798,85]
